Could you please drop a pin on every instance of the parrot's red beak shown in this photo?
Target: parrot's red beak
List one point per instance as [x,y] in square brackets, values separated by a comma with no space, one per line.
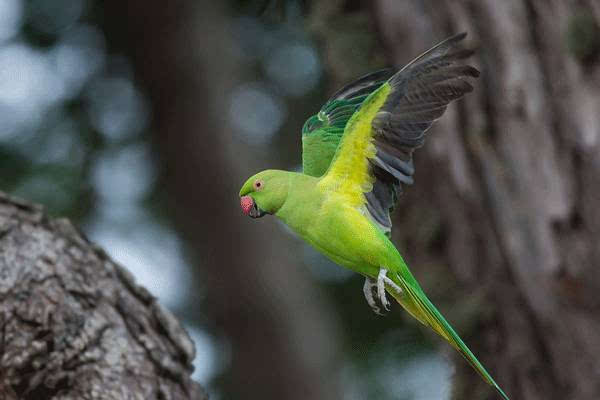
[250,208]
[247,204]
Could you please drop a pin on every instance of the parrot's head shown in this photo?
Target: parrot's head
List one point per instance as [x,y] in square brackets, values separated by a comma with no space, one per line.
[264,193]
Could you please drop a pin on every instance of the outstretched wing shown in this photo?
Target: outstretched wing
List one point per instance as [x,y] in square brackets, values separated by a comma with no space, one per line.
[321,133]
[374,157]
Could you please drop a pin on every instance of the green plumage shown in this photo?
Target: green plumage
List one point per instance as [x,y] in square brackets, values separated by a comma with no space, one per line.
[321,133]
[357,154]
[318,150]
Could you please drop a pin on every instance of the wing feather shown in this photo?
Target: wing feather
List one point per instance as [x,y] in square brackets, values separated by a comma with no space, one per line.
[322,132]
[375,152]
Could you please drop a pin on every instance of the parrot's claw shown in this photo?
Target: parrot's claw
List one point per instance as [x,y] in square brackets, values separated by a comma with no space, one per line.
[374,290]
[368,287]
[381,289]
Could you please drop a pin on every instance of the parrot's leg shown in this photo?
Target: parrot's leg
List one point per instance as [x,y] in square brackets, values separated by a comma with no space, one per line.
[391,283]
[381,289]
[368,287]
[382,280]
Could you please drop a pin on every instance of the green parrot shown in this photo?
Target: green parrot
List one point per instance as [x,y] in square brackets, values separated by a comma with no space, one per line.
[357,154]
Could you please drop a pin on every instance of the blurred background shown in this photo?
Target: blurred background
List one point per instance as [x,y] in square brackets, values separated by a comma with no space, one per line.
[139,120]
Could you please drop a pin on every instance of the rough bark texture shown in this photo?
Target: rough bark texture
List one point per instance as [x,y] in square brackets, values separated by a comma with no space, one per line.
[508,186]
[74,325]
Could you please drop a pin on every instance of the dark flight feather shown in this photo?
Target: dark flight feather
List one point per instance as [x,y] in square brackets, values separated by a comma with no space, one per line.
[419,95]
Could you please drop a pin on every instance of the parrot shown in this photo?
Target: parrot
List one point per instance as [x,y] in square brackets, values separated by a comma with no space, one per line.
[357,153]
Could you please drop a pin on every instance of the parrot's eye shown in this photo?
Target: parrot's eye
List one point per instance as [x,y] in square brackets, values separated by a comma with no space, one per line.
[258,184]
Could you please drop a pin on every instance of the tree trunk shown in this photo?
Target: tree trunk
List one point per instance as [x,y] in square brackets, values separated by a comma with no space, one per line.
[507,187]
[74,325]
[259,296]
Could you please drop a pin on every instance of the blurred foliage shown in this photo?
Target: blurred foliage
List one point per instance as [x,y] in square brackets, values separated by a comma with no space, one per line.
[51,155]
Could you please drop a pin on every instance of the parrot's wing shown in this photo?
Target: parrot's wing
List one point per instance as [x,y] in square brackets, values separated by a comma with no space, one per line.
[321,133]
[375,155]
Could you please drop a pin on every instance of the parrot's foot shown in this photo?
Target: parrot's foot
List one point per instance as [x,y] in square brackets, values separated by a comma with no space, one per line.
[381,289]
[369,287]
[374,290]
[382,280]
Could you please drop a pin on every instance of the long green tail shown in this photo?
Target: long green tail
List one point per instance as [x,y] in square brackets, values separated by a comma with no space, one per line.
[418,305]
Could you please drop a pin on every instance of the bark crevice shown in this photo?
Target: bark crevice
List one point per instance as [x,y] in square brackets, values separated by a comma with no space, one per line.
[66,333]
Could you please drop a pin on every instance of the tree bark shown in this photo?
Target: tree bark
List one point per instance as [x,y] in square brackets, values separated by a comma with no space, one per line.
[75,325]
[507,187]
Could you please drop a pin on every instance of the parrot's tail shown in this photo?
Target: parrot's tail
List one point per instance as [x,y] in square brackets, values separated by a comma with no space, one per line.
[419,306]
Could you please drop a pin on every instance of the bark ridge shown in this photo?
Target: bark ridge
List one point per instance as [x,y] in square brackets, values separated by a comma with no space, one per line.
[75,325]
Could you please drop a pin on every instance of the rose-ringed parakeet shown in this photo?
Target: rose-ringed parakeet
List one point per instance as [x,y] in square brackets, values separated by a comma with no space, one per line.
[357,154]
